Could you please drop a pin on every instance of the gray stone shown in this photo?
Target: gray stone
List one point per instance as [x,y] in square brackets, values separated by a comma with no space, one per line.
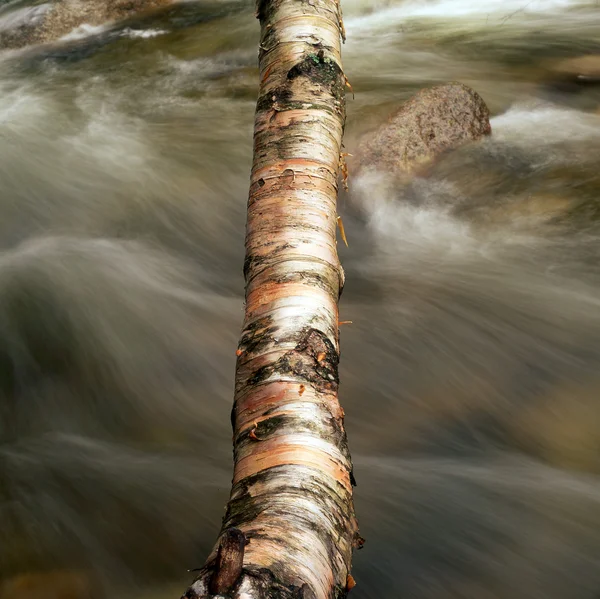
[432,122]
[53,20]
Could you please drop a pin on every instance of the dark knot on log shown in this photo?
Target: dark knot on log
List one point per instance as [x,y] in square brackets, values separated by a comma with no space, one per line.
[230,560]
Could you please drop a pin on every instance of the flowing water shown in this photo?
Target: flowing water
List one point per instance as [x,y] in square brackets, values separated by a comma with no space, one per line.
[470,374]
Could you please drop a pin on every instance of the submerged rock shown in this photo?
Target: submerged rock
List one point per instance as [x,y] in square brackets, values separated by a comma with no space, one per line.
[54,19]
[21,26]
[53,584]
[573,82]
[430,123]
[581,69]
[67,15]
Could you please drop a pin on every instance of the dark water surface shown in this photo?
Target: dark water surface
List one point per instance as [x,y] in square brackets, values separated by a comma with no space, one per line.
[470,377]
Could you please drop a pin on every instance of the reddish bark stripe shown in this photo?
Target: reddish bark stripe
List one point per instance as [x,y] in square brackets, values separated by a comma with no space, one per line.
[292,454]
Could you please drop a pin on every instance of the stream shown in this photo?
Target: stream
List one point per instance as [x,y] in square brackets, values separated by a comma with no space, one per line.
[470,376]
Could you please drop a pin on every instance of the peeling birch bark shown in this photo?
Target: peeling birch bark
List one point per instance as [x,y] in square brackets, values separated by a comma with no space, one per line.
[289,529]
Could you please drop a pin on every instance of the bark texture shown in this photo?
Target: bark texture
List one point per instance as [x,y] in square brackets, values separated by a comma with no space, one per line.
[290,528]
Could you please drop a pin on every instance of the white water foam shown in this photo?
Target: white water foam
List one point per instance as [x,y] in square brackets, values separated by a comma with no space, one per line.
[451,9]
[142,33]
[82,32]
[535,124]
[86,30]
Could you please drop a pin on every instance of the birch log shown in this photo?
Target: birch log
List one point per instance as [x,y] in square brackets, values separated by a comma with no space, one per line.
[290,527]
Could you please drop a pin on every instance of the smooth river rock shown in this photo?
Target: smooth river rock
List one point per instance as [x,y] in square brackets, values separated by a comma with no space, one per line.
[50,21]
[432,122]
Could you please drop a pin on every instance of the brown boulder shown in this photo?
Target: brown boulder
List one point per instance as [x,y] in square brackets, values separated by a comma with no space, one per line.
[69,14]
[52,584]
[431,122]
[52,20]
[581,68]
[19,27]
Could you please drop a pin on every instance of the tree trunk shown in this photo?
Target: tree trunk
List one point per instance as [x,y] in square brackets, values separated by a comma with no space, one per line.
[290,528]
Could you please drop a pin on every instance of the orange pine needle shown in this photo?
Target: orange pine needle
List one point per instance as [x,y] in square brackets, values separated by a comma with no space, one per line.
[349,86]
[340,225]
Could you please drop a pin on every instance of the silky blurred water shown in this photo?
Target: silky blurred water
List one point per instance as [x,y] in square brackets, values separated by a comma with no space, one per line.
[470,373]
